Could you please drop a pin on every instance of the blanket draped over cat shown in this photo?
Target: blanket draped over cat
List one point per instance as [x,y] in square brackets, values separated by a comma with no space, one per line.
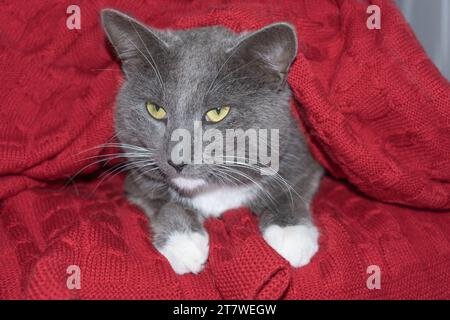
[375,111]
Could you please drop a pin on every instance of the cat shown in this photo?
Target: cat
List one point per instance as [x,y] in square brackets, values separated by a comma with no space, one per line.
[224,80]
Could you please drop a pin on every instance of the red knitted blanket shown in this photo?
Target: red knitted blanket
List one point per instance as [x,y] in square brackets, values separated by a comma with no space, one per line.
[375,110]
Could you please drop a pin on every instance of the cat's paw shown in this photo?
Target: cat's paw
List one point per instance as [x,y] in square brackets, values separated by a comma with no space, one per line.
[186,252]
[297,244]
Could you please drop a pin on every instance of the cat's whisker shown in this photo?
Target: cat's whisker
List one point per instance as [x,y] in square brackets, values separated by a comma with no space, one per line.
[142,174]
[74,176]
[71,179]
[247,177]
[153,65]
[225,176]
[115,145]
[142,153]
[124,145]
[264,196]
[109,174]
[278,178]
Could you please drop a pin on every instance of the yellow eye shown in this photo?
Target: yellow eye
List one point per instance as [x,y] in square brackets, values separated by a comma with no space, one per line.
[217,114]
[156,111]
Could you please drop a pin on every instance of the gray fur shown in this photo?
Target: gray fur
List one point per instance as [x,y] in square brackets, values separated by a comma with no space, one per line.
[180,71]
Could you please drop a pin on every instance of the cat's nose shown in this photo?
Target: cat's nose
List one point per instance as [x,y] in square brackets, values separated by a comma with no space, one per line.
[178,166]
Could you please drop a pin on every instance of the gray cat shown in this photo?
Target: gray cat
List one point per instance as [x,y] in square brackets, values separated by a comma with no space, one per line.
[223,80]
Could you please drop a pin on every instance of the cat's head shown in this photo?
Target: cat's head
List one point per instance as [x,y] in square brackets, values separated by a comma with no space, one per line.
[211,76]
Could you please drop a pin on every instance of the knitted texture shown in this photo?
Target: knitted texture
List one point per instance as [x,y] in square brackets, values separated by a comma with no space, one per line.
[375,111]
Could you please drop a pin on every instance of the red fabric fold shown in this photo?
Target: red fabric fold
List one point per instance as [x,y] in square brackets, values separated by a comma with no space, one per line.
[375,111]
[242,266]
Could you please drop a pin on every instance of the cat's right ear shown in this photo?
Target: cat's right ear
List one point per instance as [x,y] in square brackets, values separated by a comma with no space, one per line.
[134,43]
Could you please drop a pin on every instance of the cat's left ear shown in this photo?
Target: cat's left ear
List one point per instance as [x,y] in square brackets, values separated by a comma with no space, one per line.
[273,48]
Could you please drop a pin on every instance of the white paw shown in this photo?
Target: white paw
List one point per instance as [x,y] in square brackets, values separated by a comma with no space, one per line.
[297,244]
[186,252]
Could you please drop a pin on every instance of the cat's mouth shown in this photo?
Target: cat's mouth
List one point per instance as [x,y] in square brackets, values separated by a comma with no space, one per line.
[187,184]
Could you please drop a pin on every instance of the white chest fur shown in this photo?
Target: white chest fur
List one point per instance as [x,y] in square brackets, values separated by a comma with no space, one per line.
[215,202]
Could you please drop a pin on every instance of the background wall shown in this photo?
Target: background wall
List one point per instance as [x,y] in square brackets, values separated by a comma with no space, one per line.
[430,20]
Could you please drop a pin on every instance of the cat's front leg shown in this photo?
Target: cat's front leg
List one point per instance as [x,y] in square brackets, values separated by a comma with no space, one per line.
[178,233]
[289,230]
[180,237]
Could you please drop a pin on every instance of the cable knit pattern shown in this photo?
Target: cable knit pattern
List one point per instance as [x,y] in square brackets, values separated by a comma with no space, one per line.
[375,111]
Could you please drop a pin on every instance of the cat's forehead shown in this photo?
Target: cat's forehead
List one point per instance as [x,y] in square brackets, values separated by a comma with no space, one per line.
[205,37]
[195,58]
[200,48]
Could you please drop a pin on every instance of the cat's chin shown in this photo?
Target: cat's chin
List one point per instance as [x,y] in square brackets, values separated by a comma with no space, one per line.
[186,186]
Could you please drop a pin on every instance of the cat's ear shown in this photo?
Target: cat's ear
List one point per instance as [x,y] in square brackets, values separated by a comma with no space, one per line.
[135,44]
[273,48]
